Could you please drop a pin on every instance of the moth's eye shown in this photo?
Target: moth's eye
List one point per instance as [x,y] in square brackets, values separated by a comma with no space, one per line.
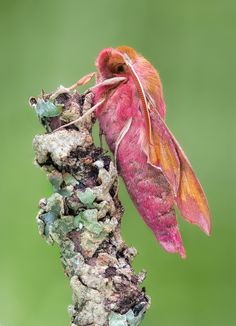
[119,69]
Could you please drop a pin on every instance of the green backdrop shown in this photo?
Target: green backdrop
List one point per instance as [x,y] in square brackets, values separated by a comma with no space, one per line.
[192,44]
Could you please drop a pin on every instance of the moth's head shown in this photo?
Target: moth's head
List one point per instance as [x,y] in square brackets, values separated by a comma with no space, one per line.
[111,62]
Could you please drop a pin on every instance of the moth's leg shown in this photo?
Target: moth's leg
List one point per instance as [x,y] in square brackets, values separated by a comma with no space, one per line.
[101,133]
[122,134]
[117,187]
[80,119]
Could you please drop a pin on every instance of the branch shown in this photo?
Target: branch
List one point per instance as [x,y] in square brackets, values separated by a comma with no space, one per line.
[83,215]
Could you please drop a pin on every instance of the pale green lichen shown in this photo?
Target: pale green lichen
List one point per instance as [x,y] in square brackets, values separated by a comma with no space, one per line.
[52,210]
[62,226]
[55,179]
[47,109]
[55,204]
[128,319]
[117,319]
[134,320]
[69,179]
[69,258]
[87,197]
[90,242]
[48,219]
[89,220]
[66,191]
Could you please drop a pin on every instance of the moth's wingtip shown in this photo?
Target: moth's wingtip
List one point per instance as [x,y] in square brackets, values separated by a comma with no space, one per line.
[208,231]
[205,225]
[183,254]
[203,221]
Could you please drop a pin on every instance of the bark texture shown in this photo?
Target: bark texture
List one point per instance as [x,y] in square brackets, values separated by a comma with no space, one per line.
[83,215]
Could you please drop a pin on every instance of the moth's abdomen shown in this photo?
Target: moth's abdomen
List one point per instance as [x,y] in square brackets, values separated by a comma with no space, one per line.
[150,192]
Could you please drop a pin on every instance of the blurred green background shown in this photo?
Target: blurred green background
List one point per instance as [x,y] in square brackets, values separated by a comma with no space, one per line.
[192,44]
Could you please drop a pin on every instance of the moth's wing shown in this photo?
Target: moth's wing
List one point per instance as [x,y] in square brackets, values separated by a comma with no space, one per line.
[189,195]
[162,151]
[191,199]
[165,153]
[157,143]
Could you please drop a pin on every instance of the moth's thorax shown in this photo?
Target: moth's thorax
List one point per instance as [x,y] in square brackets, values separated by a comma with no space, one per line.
[121,105]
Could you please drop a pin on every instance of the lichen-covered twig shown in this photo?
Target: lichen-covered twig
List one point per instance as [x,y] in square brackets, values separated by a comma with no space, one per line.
[83,215]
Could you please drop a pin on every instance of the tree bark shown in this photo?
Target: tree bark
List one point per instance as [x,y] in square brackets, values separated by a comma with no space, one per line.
[83,215]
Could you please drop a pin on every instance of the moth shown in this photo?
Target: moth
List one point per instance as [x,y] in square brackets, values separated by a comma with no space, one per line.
[131,110]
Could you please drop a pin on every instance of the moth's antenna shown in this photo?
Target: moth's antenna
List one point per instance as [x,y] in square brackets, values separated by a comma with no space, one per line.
[141,94]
